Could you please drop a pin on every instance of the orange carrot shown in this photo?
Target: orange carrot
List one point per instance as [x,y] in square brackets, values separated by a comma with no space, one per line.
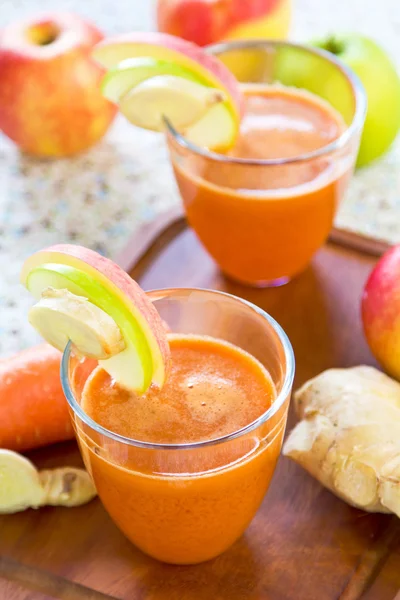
[33,409]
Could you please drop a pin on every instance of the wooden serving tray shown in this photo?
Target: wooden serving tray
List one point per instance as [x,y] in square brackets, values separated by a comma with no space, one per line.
[304,543]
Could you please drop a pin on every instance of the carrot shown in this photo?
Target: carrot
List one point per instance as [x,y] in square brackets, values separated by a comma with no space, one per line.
[33,409]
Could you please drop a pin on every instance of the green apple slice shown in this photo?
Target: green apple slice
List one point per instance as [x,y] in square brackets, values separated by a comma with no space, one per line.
[132,71]
[133,368]
[85,273]
[61,316]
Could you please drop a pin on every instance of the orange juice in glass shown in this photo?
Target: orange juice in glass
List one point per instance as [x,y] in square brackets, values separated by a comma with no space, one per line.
[263,209]
[183,470]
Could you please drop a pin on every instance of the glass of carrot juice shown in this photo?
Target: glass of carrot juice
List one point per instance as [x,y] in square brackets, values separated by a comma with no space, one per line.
[262,209]
[186,485]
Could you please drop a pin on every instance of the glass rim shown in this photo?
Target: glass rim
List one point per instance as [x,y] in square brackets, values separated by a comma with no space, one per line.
[357,121]
[158,294]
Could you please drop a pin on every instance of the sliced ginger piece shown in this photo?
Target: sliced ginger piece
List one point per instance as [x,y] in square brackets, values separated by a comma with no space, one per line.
[349,436]
[22,486]
[389,489]
[181,101]
[67,486]
[60,316]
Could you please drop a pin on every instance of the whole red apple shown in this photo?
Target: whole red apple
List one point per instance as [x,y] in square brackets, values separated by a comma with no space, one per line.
[50,98]
[380,309]
[208,21]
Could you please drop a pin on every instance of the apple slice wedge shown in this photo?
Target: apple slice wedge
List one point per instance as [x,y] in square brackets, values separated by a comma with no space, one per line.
[145,357]
[215,128]
[132,71]
[162,46]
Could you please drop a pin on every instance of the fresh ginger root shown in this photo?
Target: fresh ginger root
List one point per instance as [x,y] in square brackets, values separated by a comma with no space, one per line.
[22,486]
[67,486]
[349,436]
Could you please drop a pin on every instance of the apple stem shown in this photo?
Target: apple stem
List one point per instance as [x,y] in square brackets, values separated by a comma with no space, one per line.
[334,45]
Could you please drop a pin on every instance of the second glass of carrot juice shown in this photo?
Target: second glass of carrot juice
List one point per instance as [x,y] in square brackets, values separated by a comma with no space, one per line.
[264,208]
[200,454]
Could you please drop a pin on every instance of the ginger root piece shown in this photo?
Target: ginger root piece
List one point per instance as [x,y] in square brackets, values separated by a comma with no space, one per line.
[22,486]
[60,316]
[19,483]
[349,436]
[67,486]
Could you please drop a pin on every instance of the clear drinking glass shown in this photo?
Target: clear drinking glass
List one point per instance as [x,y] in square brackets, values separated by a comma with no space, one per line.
[263,219]
[187,503]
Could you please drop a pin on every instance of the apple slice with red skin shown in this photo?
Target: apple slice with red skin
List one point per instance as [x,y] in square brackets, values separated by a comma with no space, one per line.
[113,50]
[217,126]
[83,272]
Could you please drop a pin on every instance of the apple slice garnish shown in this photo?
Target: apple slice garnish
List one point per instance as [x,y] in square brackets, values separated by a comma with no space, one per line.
[162,46]
[215,127]
[142,357]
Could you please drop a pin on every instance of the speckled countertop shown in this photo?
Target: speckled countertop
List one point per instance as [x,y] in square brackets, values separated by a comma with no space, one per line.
[100,198]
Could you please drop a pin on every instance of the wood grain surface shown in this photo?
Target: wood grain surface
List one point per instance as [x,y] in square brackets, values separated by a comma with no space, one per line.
[304,544]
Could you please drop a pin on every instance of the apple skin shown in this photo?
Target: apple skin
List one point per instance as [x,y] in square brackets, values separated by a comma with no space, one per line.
[382,85]
[204,22]
[380,310]
[50,98]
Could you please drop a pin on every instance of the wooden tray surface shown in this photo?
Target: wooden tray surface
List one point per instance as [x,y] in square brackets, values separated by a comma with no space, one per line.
[304,543]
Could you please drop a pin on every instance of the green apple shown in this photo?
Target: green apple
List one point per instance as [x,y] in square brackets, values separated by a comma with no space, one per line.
[297,66]
[144,356]
[382,85]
